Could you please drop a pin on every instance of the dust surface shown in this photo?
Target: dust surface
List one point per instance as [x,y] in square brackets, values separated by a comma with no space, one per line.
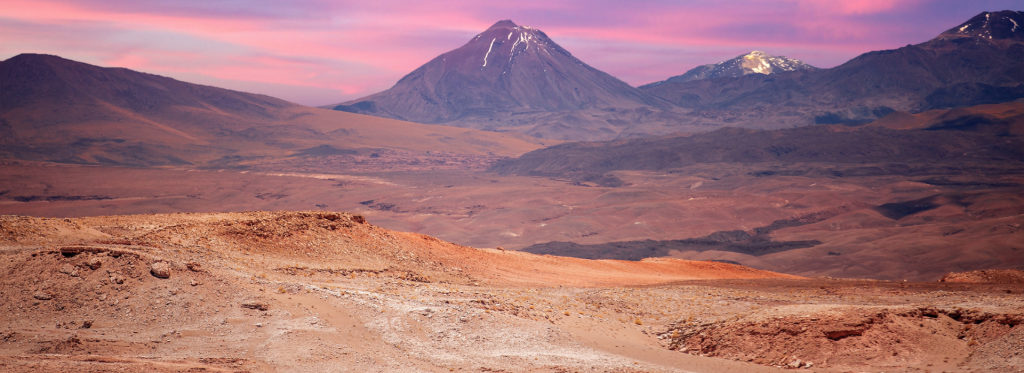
[319,291]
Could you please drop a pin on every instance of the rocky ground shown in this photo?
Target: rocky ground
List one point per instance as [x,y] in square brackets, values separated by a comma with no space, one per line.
[324,292]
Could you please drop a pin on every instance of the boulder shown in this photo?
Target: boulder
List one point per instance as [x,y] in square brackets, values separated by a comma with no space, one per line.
[160,270]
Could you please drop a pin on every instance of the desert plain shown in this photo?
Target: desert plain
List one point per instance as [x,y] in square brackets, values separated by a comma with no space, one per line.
[115,277]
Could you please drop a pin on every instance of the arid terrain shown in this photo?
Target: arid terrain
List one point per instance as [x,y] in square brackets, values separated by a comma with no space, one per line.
[748,216]
[326,291]
[808,219]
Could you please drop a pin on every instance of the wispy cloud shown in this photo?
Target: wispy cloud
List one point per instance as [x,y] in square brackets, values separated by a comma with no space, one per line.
[319,51]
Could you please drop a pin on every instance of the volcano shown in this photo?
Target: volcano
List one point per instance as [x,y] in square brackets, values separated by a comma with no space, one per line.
[756,62]
[981,61]
[511,77]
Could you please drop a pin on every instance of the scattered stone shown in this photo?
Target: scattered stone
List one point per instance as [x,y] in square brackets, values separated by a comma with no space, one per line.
[116,278]
[795,364]
[259,325]
[160,270]
[193,266]
[9,336]
[86,324]
[193,282]
[69,270]
[991,276]
[256,306]
[42,296]
[95,263]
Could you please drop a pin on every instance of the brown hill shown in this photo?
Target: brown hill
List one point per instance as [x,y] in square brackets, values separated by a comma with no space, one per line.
[516,77]
[1006,119]
[978,62]
[321,241]
[822,144]
[59,110]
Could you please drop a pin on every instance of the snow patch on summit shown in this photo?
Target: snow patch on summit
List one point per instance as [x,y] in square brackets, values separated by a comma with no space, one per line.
[756,62]
[489,51]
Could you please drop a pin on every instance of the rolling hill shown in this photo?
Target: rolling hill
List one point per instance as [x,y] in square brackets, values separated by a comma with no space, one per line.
[814,144]
[58,110]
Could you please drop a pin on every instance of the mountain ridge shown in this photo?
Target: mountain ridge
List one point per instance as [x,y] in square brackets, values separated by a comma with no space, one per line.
[58,110]
[756,62]
[951,70]
[978,62]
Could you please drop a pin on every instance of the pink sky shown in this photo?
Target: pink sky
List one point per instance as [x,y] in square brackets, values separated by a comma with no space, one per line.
[318,52]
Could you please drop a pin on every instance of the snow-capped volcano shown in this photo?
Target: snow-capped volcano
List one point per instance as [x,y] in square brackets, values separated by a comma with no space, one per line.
[756,62]
[1006,24]
[507,69]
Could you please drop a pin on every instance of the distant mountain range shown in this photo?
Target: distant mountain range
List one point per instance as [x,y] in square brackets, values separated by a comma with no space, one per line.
[515,78]
[755,62]
[978,62]
[510,79]
[58,110]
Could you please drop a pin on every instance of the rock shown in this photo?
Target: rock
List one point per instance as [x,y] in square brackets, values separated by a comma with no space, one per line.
[841,333]
[86,324]
[193,266]
[795,364]
[42,296]
[69,270]
[160,270]
[259,325]
[116,278]
[193,282]
[95,263]
[256,306]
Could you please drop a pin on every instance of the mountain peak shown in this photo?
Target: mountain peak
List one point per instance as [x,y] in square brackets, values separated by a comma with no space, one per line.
[503,24]
[1006,24]
[503,78]
[755,62]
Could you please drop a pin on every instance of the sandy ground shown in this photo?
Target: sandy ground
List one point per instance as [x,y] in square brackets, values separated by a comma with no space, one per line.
[324,292]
